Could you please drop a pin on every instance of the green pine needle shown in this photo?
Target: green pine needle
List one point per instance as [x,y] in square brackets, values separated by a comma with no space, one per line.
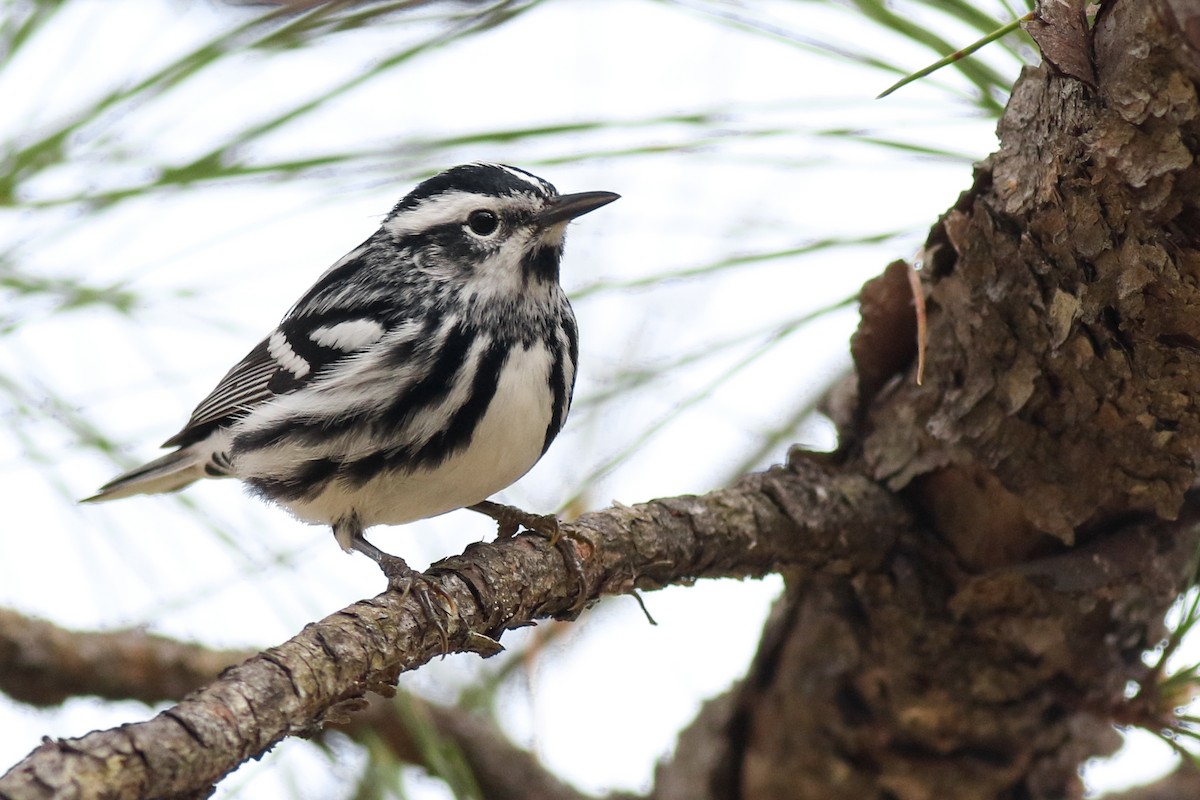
[957,55]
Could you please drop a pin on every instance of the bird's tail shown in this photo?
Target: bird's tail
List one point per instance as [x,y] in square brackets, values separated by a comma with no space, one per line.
[169,473]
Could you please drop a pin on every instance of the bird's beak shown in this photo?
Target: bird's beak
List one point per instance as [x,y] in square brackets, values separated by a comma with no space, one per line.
[569,206]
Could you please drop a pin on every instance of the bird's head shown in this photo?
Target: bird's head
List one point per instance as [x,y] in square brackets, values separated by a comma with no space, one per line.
[494,228]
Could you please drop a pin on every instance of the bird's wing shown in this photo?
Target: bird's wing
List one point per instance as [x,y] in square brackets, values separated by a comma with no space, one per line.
[296,352]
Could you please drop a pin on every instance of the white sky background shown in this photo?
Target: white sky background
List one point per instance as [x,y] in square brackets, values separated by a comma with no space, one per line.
[604,704]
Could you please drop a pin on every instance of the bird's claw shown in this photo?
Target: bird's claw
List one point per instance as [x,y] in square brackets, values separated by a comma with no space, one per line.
[510,519]
[404,579]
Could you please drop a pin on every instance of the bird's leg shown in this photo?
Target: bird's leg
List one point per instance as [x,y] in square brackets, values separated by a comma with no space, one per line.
[400,576]
[510,518]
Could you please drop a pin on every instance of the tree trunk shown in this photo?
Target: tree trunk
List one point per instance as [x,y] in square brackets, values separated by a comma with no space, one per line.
[1049,452]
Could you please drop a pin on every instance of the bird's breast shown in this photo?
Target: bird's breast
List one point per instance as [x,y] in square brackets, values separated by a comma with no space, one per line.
[509,437]
[506,442]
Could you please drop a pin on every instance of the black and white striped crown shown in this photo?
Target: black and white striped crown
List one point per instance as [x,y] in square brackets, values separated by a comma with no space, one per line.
[484,179]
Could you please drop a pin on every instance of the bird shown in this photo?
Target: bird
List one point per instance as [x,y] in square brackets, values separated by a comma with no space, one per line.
[424,371]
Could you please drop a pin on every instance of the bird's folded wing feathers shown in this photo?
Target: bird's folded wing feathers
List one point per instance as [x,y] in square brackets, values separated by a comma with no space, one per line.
[295,353]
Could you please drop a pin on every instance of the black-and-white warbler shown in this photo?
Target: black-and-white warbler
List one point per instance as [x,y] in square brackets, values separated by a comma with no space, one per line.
[426,370]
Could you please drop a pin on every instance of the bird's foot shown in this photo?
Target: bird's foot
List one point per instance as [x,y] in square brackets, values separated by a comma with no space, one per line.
[404,579]
[510,519]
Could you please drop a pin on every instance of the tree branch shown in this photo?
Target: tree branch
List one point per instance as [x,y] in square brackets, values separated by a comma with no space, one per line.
[808,516]
[42,664]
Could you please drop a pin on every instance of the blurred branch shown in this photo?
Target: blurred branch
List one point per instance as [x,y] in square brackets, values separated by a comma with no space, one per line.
[502,771]
[807,516]
[43,665]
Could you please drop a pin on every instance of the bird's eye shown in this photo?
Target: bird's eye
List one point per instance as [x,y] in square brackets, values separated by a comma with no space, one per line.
[483,222]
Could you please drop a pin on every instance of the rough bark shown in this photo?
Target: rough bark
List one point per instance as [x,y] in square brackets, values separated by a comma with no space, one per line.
[1064,346]
[1050,452]
[42,665]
